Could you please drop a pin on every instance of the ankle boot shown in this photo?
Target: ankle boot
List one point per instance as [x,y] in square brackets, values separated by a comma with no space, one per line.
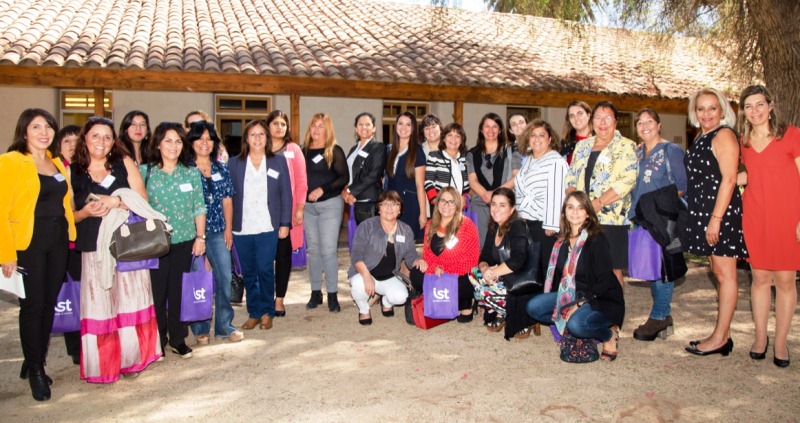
[333,302]
[316,299]
[38,381]
[654,328]
[23,373]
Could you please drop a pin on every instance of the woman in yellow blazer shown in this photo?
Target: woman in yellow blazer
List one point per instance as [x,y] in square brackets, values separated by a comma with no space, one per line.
[36,225]
[605,166]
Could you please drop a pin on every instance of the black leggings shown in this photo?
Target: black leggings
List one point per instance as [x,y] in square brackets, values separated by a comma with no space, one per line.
[466,292]
[283,266]
[73,339]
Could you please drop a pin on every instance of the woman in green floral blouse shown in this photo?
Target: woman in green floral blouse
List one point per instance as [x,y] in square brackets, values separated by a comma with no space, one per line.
[175,189]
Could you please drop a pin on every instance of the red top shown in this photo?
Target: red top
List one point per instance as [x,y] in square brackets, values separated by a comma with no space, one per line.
[459,259]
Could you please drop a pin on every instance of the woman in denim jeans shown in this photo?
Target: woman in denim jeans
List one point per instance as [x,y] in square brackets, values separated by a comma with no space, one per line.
[588,299]
[218,193]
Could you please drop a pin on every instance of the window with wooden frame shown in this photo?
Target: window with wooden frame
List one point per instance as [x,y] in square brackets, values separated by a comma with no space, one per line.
[625,125]
[393,108]
[77,106]
[231,114]
[530,113]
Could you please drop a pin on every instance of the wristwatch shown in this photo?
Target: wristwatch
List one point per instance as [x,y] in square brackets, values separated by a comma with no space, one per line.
[201,237]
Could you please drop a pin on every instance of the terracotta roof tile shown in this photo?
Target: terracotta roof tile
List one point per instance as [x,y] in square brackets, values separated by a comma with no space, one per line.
[352,39]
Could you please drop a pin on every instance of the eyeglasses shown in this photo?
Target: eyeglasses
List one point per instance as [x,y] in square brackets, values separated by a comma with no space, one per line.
[488,158]
[606,119]
[449,203]
[95,119]
[387,204]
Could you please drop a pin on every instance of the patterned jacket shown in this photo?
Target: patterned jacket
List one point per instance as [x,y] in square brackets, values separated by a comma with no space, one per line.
[438,174]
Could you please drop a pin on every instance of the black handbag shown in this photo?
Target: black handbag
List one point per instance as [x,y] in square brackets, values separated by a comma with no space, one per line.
[528,280]
[147,239]
[237,278]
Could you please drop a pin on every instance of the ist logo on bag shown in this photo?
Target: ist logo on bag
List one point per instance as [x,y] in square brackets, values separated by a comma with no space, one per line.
[63,306]
[200,294]
[441,294]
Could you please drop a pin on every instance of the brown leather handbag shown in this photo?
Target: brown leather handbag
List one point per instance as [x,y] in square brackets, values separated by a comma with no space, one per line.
[140,239]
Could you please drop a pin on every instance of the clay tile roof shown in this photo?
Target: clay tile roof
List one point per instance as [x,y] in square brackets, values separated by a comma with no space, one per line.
[350,39]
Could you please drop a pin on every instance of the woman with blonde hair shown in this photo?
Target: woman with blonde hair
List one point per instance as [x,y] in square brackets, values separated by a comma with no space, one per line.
[326,168]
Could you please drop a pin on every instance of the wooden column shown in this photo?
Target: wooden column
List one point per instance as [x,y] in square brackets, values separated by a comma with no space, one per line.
[99,97]
[295,117]
[458,112]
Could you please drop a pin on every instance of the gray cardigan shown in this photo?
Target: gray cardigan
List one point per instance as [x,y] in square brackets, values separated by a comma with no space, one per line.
[369,245]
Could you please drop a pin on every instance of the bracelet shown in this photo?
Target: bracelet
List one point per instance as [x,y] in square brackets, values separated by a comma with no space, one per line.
[713,216]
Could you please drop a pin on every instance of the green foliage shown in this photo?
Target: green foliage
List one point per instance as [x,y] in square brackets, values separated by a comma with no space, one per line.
[570,10]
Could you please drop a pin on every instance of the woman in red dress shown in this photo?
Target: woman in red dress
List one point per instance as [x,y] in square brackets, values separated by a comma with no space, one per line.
[771,217]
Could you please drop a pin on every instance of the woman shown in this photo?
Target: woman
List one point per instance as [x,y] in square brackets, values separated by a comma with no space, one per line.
[491,164]
[201,116]
[507,235]
[589,301]
[715,208]
[539,185]
[447,167]
[516,124]
[577,127]
[604,167]
[405,172]
[134,131]
[431,134]
[217,194]
[450,246]
[36,224]
[771,153]
[111,345]
[660,165]
[262,213]
[176,190]
[282,145]
[326,167]
[63,147]
[366,163]
[381,243]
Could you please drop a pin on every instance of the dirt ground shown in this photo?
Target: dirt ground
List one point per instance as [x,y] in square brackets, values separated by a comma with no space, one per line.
[316,366]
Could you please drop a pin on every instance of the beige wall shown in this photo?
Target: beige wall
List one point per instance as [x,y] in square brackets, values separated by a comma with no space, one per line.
[342,112]
[473,112]
[19,99]
[160,106]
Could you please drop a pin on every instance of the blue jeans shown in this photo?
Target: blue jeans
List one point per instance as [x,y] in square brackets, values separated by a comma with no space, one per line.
[662,298]
[220,258]
[322,222]
[257,257]
[584,322]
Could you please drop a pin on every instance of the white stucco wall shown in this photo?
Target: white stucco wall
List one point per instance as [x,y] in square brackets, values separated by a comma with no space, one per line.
[342,112]
[18,99]
[161,106]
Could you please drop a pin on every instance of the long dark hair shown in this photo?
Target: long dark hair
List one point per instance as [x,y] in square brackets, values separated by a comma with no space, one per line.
[411,153]
[20,143]
[569,134]
[81,158]
[196,130]
[127,121]
[275,114]
[592,225]
[246,147]
[458,129]
[55,146]
[512,202]
[160,133]
[502,141]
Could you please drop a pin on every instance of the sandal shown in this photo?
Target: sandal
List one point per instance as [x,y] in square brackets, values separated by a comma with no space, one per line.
[523,334]
[611,356]
[496,325]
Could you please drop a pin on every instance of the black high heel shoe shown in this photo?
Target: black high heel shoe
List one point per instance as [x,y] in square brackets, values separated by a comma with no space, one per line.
[779,362]
[38,381]
[761,355]
[724,350]
[23,373]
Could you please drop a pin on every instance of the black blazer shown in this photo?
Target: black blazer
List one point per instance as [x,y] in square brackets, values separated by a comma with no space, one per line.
[367,171]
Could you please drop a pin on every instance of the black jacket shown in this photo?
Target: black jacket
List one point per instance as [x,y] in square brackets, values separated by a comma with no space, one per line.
[367,171]
[665,217]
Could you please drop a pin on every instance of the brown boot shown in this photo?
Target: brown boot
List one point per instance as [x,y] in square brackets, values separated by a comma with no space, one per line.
[266,322]
[250,324]
[653,328]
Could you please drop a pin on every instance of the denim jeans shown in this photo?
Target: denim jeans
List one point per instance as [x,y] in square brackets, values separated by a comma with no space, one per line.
[322,222]
[662,298]
[584,322]
[220,258]
[257,257]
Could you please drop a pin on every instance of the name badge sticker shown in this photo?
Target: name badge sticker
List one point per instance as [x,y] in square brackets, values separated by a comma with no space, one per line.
[363,154]
[452,243]
[272,173]
[187,187]
[216,177]
[288,154]
[400,238]
[603,159]
[59,177]
[317,158]
[107,181]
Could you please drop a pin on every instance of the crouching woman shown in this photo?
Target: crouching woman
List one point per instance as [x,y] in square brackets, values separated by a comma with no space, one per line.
[380,244]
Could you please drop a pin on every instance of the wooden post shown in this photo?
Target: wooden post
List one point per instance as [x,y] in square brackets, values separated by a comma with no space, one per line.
[458,112]
[99,105]
[295,117]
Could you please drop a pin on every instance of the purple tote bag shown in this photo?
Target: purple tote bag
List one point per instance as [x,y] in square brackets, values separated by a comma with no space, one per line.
[300,256]
[644,255]
[441,296]
[68,307]
[197,293]
[351,227]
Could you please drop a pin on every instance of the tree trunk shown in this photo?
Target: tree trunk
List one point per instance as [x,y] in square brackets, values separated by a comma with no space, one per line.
[779,41]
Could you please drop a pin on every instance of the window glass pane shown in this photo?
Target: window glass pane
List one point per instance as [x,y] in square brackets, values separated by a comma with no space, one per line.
[230,104]
[255,105]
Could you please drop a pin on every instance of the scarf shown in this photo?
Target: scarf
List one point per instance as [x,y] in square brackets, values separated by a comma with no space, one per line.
[566,288]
